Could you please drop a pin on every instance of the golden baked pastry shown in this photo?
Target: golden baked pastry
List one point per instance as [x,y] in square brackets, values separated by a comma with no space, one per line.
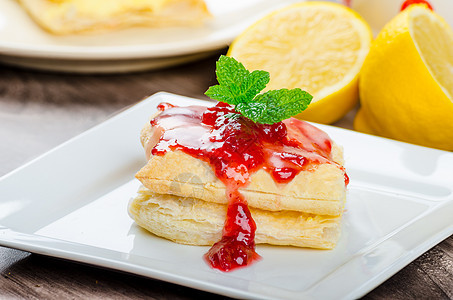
[241,172]
[74,16]
[197,222]
[320,191]
[184,200]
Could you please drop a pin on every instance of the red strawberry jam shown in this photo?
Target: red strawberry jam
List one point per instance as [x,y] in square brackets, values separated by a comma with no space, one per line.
[236,147]
[408,3]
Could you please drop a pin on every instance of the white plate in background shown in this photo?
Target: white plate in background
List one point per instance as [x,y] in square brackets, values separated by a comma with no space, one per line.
[24,43]
[71,203]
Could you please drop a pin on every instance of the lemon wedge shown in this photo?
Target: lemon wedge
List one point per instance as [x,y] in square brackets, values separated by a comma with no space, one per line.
[406,84]
[316,46]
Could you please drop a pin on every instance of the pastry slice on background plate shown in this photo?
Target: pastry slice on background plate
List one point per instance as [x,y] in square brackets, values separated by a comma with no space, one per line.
[75,16]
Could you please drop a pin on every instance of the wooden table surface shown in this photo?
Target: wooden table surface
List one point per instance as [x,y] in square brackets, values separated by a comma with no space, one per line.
[40,110]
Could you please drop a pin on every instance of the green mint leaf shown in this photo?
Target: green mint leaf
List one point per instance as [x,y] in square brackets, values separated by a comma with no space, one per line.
[236,83]
[220,93]
[229,71]
[276,105]
[237,86]
[254,111]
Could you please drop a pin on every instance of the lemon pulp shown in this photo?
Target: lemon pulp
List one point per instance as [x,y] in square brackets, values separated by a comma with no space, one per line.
[316,46]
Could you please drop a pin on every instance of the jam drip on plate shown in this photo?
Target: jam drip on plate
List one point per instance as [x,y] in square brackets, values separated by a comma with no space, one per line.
[236,147]
[237,246]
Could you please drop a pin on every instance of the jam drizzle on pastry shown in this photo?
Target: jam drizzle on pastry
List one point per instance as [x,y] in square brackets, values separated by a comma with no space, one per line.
[236,147]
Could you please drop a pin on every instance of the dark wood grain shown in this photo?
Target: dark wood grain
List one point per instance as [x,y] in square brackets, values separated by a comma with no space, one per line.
[40,110]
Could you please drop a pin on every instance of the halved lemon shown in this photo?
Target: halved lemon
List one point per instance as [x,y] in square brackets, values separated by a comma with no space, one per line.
[406,84]
[316,46]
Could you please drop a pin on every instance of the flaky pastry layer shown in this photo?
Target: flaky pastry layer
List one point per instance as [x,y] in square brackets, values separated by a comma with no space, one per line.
[320,191]
[197,222]
[73,16]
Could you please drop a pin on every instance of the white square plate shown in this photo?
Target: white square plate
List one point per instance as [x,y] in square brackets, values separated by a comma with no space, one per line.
[71,203]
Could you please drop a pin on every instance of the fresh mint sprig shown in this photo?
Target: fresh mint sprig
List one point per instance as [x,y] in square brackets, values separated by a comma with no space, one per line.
[240,87]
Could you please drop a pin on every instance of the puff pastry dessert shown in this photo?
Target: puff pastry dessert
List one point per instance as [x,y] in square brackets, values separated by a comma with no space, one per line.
[285,180]
[192,221]
[75,16]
